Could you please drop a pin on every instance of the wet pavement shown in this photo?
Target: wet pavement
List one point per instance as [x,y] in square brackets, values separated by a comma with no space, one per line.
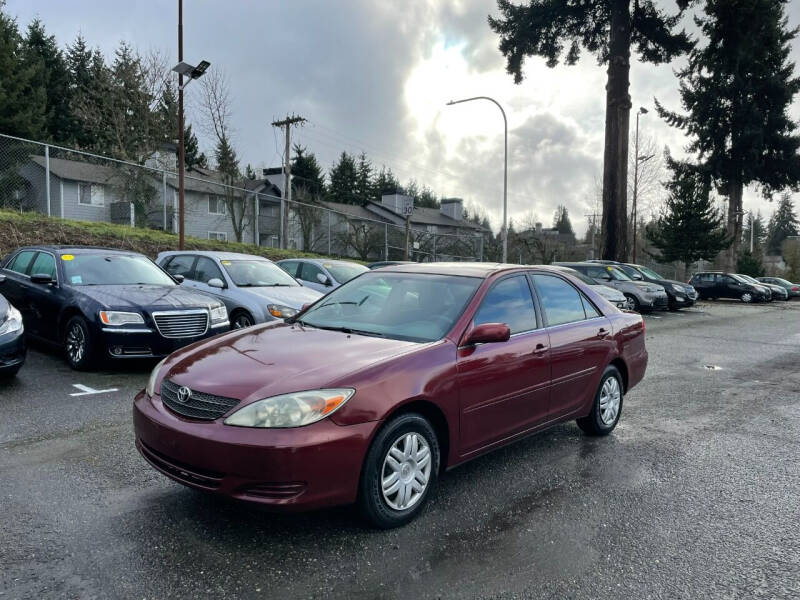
[694,495]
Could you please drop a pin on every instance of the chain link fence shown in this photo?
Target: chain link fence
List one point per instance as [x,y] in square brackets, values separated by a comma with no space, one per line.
[73,184]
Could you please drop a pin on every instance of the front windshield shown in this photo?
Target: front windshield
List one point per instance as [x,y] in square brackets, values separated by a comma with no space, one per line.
[403,306]
[584,278]
[741,278]
[112,269]
[630,272]
[344,272]
[650,273]
[257,273]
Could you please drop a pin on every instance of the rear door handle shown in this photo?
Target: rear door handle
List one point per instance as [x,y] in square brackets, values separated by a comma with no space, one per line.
[541,349]
[603,333]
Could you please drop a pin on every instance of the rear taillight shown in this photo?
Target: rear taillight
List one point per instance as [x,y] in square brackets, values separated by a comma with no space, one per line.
[795,289]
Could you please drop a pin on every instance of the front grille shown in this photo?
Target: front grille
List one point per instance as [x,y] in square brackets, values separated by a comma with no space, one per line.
[661,301]
[181,323]
[199,405]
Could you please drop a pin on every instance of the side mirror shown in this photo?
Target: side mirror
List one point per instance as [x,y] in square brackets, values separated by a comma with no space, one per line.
[42,278]
[305,306]
[637,277]
[2,278]
[324,280]
[178,278]
[488,333]
[216,282]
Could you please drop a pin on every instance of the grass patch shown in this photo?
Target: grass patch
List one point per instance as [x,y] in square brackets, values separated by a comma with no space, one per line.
[31,229]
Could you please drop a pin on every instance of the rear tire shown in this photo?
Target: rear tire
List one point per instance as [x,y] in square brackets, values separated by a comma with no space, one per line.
[400,471]
[607,405]
[78,344]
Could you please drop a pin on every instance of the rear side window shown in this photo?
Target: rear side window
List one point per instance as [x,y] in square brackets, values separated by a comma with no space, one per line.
[180,265]
[21,262]
[45,264]
[509,302]
[561,302]
[309,272]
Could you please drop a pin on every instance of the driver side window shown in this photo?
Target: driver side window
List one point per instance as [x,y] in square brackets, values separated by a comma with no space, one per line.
[509,302]
[309,272]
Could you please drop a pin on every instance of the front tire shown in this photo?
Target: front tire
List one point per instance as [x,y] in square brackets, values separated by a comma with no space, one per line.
[400,470]
[607,406]
[78,344]
[747,298]
[241,319]
[633,303]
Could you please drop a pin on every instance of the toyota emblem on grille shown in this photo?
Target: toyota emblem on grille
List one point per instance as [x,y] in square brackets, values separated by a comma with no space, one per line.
[184,394]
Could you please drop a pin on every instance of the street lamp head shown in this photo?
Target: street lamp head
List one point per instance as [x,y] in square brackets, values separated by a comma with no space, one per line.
[190,71]
[643,110]
[200,69]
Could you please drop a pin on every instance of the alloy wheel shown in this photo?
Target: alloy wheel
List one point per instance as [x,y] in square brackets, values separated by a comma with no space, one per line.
[76,343]
[610,398]
[242,321]
[406,471]
[747,297]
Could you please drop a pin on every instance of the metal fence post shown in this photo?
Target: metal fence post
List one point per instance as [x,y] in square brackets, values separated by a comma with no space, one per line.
[281,232]
[386,242]
[329,233]
[164,196]
[433,259]
[256,219]
[133,215]
[47,177]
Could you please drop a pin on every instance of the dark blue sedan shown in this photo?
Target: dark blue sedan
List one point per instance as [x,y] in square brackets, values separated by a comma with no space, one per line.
[12,339]
[99,303]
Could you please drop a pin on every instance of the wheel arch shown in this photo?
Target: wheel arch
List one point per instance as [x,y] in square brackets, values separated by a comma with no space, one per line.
[66,315]
[437,419]
[620,365]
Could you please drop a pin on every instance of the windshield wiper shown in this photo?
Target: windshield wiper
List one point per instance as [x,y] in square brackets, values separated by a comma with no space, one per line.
[345,329]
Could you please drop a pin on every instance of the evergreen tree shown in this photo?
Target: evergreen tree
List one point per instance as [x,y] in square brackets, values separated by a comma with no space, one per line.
[561,220]
[344,180]
[364,179]
[193,158]
[42,53]
[426,198]
[782,224]
[737,91]
[386,183]
[689,227]
[306,173]
[556,29]
[756,223]
[750,264]
[23,100]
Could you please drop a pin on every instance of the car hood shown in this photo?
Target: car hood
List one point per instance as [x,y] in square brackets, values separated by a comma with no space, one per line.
[278,358]
[151,297]
[609,293]
[646,284]
[293,297]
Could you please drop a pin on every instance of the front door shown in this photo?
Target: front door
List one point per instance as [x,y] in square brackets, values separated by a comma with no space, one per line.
[504,387]
[580,343]
[44,300]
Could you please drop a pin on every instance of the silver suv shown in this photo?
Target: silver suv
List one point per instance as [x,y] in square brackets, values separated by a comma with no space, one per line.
[642,296]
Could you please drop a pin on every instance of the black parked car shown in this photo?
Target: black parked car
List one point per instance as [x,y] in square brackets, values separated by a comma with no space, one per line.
[96,302]
[12,339]
[716,284]
[680,295]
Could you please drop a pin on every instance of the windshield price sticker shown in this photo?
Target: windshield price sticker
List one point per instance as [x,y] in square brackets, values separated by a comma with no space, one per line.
[67,257]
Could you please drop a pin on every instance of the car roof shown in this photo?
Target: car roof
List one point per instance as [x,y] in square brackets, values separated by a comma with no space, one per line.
[218,254]
[467,269]
[79,249]
[322,261]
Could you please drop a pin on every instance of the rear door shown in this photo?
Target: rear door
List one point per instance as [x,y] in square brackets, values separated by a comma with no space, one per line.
[504,387]
[580,342]
[15,282]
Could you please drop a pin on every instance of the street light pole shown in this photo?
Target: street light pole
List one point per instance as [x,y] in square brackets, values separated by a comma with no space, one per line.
[505,166]
[642,111]
[181,148]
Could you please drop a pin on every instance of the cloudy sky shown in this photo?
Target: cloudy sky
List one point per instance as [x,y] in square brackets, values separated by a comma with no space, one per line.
[375,76]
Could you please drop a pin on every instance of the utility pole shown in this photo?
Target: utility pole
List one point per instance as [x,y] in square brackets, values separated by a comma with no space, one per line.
[181,148]
[287,174]
[642,111]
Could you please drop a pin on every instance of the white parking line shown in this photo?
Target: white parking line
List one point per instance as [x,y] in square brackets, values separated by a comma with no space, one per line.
[86,390]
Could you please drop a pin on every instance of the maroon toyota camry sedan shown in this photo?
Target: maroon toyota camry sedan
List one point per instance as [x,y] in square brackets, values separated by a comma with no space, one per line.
[373,391]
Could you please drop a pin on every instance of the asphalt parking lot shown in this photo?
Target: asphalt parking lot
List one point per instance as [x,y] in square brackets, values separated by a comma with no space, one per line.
[694,494]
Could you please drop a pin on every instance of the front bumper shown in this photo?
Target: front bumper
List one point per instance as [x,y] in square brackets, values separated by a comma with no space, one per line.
[12,351]
[146,342]
[291,469]
[655,301]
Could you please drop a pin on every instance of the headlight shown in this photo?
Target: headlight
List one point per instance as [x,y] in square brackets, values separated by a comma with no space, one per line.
[13,321]
[281,312]
[291,410]
[219,313]
[113,317]
[151,383]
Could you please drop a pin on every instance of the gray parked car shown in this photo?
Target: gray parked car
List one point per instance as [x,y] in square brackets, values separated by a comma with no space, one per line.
[792,288]
[253,288]
[611,294]
[321,274]
[643,296]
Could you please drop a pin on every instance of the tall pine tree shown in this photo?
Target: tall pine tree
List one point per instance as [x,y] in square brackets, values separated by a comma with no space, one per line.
[689,227]
[609,29]
[782,224]
[736,91]
[344,180]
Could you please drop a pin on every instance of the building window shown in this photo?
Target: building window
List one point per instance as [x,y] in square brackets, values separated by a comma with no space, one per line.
[270,210]
[432,229]
[273,241]
[216,205]
[90,194]
[220,236]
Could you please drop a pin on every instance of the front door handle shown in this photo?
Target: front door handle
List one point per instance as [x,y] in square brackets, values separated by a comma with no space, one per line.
[541,348]
[603,333]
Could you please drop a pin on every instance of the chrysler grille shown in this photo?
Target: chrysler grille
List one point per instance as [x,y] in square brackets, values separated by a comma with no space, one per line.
[182,323]
[199,405]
